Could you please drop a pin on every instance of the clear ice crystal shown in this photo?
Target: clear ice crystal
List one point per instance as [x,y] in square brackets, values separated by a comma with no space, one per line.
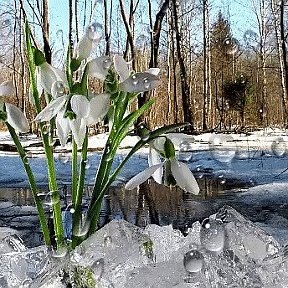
[123,255]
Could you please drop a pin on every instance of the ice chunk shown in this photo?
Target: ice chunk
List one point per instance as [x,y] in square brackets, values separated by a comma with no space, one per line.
[226,250]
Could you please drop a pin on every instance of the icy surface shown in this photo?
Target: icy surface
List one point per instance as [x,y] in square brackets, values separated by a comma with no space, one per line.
[122,255]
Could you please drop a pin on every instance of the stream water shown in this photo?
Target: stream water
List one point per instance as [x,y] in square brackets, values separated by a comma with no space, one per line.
[150,203]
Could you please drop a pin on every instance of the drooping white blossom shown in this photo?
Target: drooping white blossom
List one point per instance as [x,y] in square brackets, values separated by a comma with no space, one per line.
[137,82]
[180,171]
[15,117]
[87,112]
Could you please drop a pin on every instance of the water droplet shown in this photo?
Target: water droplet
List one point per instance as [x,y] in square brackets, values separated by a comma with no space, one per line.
[95,31]
[145,137]
[222,180]
[185,149]
[26,283]
[87,164]
[60,253]
[231,45]
[46,128]
[193,261]
[146,83]
[278,147]
[222,147]
[199,168]
[72,210]
[51,198]
[251,39]
[25,160]
[212,235]
[107,240]
[111,285]
[134,80]
[98,268]
[107,63]
[58,89]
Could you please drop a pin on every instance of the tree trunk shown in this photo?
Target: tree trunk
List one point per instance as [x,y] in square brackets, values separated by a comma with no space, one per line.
[188,116]
[45,32]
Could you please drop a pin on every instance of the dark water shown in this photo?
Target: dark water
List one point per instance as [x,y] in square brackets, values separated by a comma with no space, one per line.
[150,203]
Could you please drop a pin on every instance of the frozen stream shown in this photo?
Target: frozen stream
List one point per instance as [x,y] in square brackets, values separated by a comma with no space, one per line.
[246,172]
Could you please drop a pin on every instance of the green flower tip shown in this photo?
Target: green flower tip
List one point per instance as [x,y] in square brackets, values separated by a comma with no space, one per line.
[39,57]
[169,149]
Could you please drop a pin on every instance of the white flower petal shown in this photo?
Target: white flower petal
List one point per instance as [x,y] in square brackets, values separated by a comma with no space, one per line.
[94,32]
[83,48]
[140,82]
[142,177]
[98,67]
[7,88]
[154,71]
[16,118]
[51,109]
[184,177]
[80,106]
[99,106]
[47,76]
[78,127]
[154,159]
[63,127]
[121,67]
[158,144]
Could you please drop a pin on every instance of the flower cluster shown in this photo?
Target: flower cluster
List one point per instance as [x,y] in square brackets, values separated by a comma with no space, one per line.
[75,109]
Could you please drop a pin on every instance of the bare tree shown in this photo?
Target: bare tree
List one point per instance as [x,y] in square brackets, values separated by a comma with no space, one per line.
[187,109]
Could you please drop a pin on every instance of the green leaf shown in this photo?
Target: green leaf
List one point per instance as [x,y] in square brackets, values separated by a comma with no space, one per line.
[3,116]
[39,57]
[75,64]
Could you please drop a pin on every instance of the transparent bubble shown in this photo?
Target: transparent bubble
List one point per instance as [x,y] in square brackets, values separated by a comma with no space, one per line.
[222,179]
[142,41]
[212,235]
[60,253]
[134,80]
[107,63]
[51,198]
[46,128]
[278,147]
[107,241]
[146,83]
[222,147]
[6,24]
[251,39]
[82,230]
[231,46]
[185,149]
[95,31]
[25,159]
[87,164]
[98,268]
[193,261]
[26,283]
[58,89]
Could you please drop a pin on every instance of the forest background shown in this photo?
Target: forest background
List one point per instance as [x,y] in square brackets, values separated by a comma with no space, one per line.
[223,63]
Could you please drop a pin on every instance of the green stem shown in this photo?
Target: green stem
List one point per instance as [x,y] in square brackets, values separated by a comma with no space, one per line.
[74,172]
[79,194]
[55,197]
[33,186]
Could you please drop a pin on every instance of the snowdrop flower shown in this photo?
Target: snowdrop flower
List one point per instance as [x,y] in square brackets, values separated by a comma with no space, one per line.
[99,67]
[47,76]
[138,82]
[180,171]
[86,112]
[12,114]
[85,45]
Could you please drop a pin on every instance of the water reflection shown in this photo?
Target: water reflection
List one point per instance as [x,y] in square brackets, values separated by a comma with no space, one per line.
[150,203]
